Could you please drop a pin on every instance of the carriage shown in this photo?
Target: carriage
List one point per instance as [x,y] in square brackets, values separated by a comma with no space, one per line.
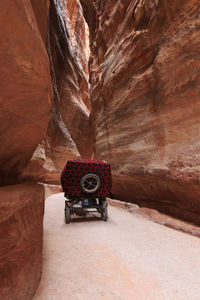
[86,184]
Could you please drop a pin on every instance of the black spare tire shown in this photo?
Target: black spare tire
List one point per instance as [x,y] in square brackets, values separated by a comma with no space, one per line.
[90,183]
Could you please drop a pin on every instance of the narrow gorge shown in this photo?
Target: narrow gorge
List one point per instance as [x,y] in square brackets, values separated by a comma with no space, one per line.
[112,80]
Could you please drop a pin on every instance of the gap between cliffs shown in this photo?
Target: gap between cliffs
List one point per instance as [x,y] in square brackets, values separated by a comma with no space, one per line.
[120,66]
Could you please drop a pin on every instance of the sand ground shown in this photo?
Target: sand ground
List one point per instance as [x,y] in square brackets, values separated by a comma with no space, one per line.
[125,258]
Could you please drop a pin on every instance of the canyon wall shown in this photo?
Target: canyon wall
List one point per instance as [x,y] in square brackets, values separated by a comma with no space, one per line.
[44,116]
[145,86]
[145,82]
[41,11]
[69,132]
[25,109]
[25,88]
[21,235]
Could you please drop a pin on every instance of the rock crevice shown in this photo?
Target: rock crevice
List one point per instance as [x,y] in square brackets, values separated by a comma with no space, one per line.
[126,89]
[144,101]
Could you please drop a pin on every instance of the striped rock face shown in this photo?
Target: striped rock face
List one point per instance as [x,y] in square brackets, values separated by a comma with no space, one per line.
[145,101]
[69,133]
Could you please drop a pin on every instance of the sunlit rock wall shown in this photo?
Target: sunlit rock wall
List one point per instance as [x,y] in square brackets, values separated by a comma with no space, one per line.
[68,50]
[145,81]
[69,132]
[35,124]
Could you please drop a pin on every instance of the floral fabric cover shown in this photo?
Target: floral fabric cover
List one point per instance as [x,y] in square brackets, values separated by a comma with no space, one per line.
[76,169]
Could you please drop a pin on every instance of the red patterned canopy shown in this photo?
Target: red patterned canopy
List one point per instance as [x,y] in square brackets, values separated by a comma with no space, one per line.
[76,169]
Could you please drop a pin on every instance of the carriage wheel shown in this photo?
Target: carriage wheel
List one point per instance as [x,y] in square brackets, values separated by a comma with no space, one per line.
[90,183]
[104,214]
[67,214]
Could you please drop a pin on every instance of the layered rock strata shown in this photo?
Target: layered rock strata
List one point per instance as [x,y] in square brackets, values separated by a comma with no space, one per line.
[25,88]
[21,230]
[145,101]
[67,41]
[27,116]
[69,132]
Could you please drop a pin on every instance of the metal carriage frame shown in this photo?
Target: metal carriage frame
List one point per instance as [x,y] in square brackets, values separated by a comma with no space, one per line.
[83,206]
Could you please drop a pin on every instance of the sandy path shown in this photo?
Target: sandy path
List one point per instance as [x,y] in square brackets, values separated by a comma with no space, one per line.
[126,258]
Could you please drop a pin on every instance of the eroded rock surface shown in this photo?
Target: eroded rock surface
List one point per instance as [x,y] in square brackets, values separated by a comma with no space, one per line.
[28,121]
[69,132]
[21,230]
[25,89]
[145,101]
[67,32]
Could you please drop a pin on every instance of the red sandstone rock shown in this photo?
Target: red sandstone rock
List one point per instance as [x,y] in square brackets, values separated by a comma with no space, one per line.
[68,63]
[145,101]
[41,10]
[79,37]
[69,132]
[21,230]
[25,88]
[51,155]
